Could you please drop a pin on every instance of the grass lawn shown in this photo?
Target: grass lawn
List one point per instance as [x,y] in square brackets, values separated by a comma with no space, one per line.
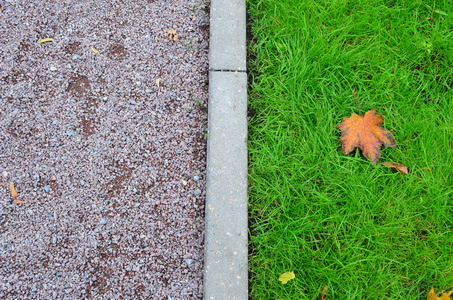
[335,220]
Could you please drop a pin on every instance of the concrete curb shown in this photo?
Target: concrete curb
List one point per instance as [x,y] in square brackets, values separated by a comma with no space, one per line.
[225,274]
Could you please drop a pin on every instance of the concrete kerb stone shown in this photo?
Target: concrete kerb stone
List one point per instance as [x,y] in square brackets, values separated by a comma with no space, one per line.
[225,274]
[225,267]
[227,41]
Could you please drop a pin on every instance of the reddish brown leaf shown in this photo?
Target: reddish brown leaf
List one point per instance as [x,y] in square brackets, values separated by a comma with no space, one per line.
[366,133]
[395,166]
[323,293]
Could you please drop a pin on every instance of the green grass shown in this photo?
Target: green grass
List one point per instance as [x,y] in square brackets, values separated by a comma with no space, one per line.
[337,220]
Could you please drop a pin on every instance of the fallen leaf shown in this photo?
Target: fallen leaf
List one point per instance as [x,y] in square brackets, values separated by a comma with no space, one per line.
[158,82]
[172,35]
[17,201]
[45,40]
[285,277]
[366,133]
[395,166]
[13,190]
[94,49]
[323,293]
[433,296]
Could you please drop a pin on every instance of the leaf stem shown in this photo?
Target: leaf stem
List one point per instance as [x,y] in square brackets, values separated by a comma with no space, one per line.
[356,103]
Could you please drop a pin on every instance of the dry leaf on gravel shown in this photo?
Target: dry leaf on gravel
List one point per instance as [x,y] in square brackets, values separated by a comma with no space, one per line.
[17,201]
[45,40]
[158,82]
[433,296]
[396,167]
[366,133]
[94,49]
[13,189]
[285,277]
[172,35]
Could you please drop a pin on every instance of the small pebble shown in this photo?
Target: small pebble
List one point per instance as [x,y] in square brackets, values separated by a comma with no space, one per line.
[47,188]
[189,261]
[103,221]
[196,178]
[197,192]
[75,56]
[148,91]
[70,133]
[53,68]
[82,182]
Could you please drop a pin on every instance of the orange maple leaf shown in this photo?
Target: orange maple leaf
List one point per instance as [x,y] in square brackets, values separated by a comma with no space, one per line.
[432,295]
[366,133]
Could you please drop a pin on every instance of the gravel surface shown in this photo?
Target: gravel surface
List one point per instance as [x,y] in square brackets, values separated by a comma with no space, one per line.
[110,159]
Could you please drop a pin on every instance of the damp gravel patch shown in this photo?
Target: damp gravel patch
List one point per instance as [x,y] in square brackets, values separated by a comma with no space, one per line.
[103,133]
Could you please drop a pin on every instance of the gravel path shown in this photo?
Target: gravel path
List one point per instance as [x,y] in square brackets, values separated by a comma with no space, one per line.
[107,145]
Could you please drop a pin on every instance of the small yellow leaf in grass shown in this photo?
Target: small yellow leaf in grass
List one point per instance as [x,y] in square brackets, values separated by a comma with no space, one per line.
[45,40]
[285,277]
[433,296]
[13,190]
[158,82]
[94,49]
